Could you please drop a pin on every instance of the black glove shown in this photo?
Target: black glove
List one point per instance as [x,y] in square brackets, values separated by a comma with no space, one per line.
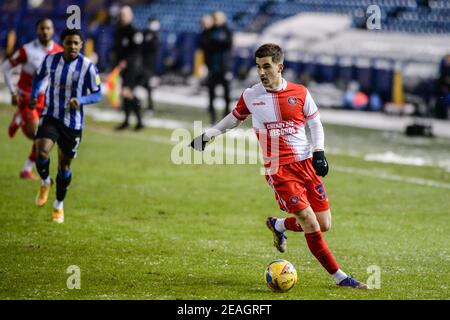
[199,143]
[320,163]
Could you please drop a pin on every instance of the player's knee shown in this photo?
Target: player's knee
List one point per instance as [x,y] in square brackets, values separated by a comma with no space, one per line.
[28,133]
[41,153]
[302,215]
[64,167]
[325,226]
[307,216]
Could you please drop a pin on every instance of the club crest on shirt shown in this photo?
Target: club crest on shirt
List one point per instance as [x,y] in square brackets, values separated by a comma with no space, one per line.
[294,200]
[292,100]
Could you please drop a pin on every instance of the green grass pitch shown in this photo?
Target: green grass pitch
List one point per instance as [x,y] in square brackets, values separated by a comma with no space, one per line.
[140,227]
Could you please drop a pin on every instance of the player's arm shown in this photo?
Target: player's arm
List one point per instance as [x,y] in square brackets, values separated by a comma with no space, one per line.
[227,123]
[315,126]
[38,78]
[232,120]
[7,66]
[92,79]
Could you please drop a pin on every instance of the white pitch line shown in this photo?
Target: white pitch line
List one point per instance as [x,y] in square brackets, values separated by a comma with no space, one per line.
[388,176]
[253,155]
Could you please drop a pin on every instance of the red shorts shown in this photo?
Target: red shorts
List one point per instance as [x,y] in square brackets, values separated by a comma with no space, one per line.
[29,115]
[297,187]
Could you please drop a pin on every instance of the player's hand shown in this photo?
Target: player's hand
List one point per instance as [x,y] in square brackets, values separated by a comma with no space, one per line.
[74,103]
[320,163]
[32,104]
[199,143]
[15,99]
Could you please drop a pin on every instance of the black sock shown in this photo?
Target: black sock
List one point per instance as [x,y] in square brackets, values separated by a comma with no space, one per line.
[127,108]
[63,179]
[42,167]
[137,110]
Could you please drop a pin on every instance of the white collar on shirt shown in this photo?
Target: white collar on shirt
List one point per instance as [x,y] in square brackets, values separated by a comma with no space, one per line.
[282,86]
[46,48]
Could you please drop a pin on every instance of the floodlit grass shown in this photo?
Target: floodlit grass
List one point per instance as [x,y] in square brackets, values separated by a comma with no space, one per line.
[140,227]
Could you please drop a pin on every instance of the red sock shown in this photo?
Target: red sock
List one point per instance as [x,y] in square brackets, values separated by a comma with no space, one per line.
[319,248]
[292,224]
[32,156]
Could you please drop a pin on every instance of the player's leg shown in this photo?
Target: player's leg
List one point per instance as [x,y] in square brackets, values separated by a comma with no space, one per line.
[316,197]
[324,219]
[29,128]
[68,145]
[63,179]
[46,136]
[292,224]
[30,123]
[291,197]
[43,149]
[15,124]
[319,248]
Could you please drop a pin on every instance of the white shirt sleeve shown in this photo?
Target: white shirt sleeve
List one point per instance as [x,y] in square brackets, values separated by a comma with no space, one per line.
[317,133]
[7,68]
[312,116]
[310,109]
[229,122]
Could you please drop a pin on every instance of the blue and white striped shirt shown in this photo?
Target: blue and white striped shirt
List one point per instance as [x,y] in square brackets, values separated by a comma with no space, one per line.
[67,79]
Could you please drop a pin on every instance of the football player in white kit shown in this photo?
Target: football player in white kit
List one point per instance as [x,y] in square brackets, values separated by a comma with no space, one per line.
[30,57]
[280,111]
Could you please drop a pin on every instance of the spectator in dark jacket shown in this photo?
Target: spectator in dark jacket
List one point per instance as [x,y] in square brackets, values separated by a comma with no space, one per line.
[217,44]
[150,47]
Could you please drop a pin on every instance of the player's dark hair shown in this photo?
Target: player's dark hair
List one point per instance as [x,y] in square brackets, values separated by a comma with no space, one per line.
[71,32]
[270,50]
[42,20]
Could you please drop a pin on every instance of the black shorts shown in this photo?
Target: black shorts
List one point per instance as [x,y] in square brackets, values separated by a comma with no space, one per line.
[130,77]
[67,139]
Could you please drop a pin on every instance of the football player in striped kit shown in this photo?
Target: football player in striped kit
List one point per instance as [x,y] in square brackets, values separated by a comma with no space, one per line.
[29,57]
[280,111]
[73,82]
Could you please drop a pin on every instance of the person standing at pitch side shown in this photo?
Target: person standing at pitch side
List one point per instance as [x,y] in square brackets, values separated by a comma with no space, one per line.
[127,56]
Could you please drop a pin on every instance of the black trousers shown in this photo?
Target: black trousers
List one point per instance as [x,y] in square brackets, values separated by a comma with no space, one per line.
[213,81]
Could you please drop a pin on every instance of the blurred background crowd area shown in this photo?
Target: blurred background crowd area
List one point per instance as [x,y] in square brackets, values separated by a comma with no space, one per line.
[402,67]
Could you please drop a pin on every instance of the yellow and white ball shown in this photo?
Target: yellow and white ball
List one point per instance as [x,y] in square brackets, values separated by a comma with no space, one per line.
[280,276]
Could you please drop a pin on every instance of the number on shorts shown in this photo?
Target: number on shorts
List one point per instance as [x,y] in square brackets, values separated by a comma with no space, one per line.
[77,144]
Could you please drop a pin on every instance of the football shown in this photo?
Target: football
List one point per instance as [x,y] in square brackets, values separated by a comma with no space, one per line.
[280,276]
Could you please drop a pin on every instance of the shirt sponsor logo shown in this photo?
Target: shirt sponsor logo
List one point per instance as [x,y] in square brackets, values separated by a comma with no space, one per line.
[281,128]
[258,104]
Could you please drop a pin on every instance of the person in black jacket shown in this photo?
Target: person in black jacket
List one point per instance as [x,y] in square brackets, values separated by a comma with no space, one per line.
[217,44]
[149,51]
[127,55]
